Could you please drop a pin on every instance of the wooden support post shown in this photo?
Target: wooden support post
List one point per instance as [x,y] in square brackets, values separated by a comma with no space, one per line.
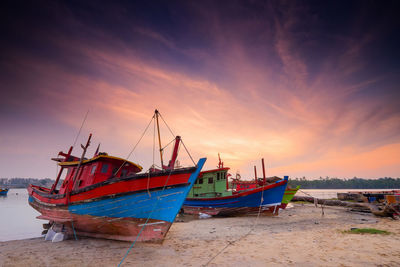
[60,172]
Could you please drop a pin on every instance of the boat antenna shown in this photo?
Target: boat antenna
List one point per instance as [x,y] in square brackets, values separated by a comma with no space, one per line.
[80,129]
[220,163]
[159,138]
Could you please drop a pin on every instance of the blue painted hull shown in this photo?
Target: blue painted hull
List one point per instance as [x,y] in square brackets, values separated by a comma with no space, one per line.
[160,205]
[238,203]
[4,192]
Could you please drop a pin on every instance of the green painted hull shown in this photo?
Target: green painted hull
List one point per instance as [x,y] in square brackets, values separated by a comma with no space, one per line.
[289,194]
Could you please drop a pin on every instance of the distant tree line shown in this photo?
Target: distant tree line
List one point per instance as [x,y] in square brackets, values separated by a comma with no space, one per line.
[354,183]
[321,183]
[24,182]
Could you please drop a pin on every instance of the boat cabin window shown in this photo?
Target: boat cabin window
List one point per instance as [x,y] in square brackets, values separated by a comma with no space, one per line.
[201,181]
[210,180]
[104,168]
[123,173]
[93,169]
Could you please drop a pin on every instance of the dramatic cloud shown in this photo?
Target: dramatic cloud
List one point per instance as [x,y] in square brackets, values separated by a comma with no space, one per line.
[314,93]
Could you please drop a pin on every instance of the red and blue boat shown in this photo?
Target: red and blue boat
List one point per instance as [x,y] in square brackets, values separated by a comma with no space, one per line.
[3,191]
[108,197]
[239,185]
[211,195]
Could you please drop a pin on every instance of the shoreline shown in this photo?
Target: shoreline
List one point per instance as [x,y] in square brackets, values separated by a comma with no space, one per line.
[298,236]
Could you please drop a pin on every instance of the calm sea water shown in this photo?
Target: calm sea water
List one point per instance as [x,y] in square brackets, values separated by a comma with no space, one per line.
[18,219]
[332,193]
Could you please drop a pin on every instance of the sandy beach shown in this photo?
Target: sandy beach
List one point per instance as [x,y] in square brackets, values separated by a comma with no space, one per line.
[299,236]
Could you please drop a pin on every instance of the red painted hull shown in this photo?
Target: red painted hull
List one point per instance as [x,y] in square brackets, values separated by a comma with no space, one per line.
[124,229]
[110,188]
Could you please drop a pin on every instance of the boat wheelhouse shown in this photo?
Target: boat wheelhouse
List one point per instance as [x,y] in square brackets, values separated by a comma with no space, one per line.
[96,170]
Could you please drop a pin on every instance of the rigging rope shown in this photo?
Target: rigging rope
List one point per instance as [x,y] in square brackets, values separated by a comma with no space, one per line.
[168,144]
[173,135]
[154,148]
[187,151]
[133,149]
[240,238]
[73,228]
[147,220]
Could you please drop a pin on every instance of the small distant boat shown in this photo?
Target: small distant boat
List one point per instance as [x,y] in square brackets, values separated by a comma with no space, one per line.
[211,195]
[107,197]
[3,191]
[370,196]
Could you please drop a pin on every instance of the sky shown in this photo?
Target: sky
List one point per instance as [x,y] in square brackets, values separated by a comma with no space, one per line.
[310,86]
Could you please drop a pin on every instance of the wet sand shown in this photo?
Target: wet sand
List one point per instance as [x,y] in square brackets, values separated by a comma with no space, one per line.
[299,236]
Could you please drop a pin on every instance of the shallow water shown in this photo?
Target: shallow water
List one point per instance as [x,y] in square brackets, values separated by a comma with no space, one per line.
[17,218]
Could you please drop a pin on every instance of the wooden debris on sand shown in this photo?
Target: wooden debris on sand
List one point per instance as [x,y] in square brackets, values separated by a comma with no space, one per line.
[384,210]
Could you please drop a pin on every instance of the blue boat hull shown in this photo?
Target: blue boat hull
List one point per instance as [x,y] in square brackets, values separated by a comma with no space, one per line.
[268,197]
[3,192]
[160,205]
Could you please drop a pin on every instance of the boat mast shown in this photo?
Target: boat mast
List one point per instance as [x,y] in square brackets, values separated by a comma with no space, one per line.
[72,185]
[263,166]
[61,170]
[159,139]
[255,174]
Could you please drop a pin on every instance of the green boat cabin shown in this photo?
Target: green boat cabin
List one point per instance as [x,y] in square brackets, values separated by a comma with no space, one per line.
[212,183]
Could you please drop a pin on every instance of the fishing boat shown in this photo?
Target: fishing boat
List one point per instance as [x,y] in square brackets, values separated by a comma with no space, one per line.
[211,195]
[3,191]
[108,197]
[239,185]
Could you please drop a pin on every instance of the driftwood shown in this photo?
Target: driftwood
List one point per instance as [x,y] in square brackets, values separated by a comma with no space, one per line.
[387,211]
[329,202]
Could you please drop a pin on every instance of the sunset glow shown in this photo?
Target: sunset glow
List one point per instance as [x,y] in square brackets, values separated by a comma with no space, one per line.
[312,92]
